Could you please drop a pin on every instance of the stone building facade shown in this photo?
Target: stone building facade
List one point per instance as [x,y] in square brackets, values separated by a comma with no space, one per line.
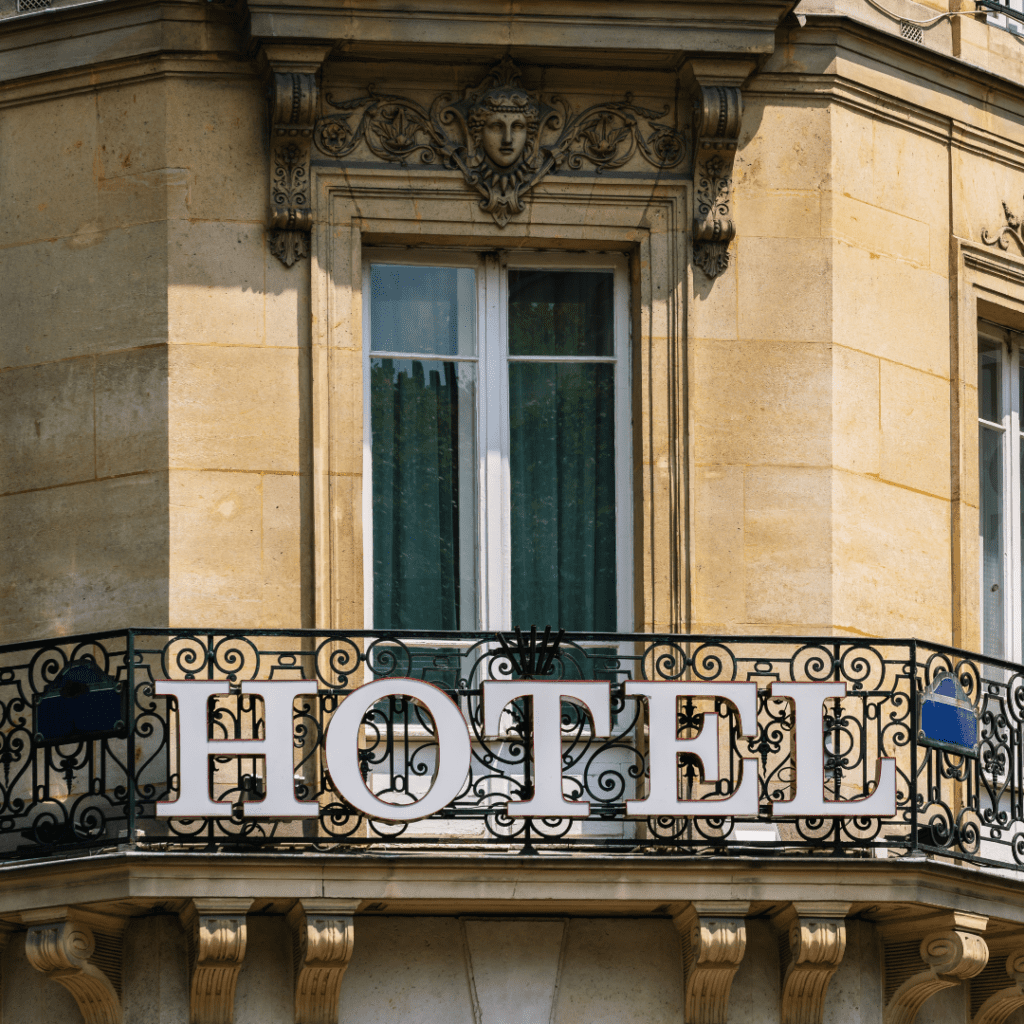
[779,243]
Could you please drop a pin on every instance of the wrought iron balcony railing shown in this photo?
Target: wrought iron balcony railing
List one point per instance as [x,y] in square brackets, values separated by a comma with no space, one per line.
[90,749]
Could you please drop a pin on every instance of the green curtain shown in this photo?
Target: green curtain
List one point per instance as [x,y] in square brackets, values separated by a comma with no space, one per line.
[562,451]
[414,419]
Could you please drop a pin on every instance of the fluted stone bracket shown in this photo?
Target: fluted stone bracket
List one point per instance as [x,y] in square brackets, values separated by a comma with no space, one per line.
[323,938]
[82,952]
[714,940]
[1006,963]
[952,954]
[717,115]
[812,940]
[216,933]
[292,73]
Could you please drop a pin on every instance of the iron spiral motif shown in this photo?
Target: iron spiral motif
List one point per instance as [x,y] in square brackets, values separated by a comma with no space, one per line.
[103,792]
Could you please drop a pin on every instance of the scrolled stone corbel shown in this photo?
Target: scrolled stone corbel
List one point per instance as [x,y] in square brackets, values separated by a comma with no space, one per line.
[717,115]
[714,941]
[216,932]
[952,955]
[293,112]
[1004,1001]
[813,941]
[323,935]
[64,949]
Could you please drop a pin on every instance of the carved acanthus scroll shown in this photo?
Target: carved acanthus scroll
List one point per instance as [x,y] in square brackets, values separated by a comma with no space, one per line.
[953,956]
[813,940]
[323,942]
[717,110]
[216,932]
[293,112]
[503,138]
[64,949]
[714,941]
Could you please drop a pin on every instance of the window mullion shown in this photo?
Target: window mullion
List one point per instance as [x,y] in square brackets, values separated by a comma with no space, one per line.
[493,419]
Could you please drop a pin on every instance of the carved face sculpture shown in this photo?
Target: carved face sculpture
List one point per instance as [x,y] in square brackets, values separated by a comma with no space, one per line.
[502,123]
[503,137]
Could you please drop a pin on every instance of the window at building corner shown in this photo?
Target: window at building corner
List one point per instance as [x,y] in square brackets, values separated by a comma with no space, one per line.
[1000,392]
[497,443]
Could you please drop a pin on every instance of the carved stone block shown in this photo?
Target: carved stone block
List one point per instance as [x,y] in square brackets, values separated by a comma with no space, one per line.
[216,932]
[323,936]
[813,941]
[503,137]
[64,948]
[1006,964]
[953,954]
[717,116]
[714,941]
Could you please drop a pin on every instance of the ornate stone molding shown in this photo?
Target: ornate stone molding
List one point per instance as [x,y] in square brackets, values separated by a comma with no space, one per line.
[717,115]
[1013,228]
[293,112]
[500,135]
[813,941]
[998,1006]
[714,941]
[64,948]
[323,942]
[953,955]
[216,934]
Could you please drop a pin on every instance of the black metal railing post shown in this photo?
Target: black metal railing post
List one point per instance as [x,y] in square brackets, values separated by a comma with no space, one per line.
[130,763]
[914,769]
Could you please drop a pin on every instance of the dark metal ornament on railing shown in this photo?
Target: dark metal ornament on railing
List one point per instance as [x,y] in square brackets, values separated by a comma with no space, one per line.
[65,790]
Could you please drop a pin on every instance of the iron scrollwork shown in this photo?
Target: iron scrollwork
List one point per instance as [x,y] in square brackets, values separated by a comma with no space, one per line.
[102,789]
[1013,228]
[500,135]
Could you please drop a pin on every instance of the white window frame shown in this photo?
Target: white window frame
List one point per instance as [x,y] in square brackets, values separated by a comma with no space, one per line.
[1010,427]
[493,555]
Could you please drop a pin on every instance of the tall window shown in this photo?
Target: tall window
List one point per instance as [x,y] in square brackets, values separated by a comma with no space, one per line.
[497,426]
[1000,391]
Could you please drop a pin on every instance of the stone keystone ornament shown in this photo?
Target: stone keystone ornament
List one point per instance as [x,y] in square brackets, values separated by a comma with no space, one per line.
[502,137]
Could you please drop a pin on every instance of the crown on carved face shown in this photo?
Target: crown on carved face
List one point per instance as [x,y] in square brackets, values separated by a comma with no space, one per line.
[508,101]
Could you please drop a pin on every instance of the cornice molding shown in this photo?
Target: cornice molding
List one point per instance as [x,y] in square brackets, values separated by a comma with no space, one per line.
[714,936]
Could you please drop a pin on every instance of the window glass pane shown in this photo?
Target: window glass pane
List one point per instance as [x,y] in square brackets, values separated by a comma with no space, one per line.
[562,463]
[429,310]
[990,366]
[560,313]
[424,522]
[992,585]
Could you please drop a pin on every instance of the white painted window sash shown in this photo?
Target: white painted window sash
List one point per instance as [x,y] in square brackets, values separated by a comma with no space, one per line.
[493,555]
[1009,427]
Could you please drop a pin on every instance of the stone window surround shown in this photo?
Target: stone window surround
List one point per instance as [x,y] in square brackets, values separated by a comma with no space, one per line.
[989,287]
[356,207]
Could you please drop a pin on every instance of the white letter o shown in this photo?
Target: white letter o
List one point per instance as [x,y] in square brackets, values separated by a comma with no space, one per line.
[341,748]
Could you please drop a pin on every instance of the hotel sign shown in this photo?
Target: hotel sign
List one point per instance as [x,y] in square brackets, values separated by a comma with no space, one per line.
[454,749]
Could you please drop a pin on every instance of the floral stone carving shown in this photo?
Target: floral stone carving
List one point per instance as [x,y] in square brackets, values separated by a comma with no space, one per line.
[502,137]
